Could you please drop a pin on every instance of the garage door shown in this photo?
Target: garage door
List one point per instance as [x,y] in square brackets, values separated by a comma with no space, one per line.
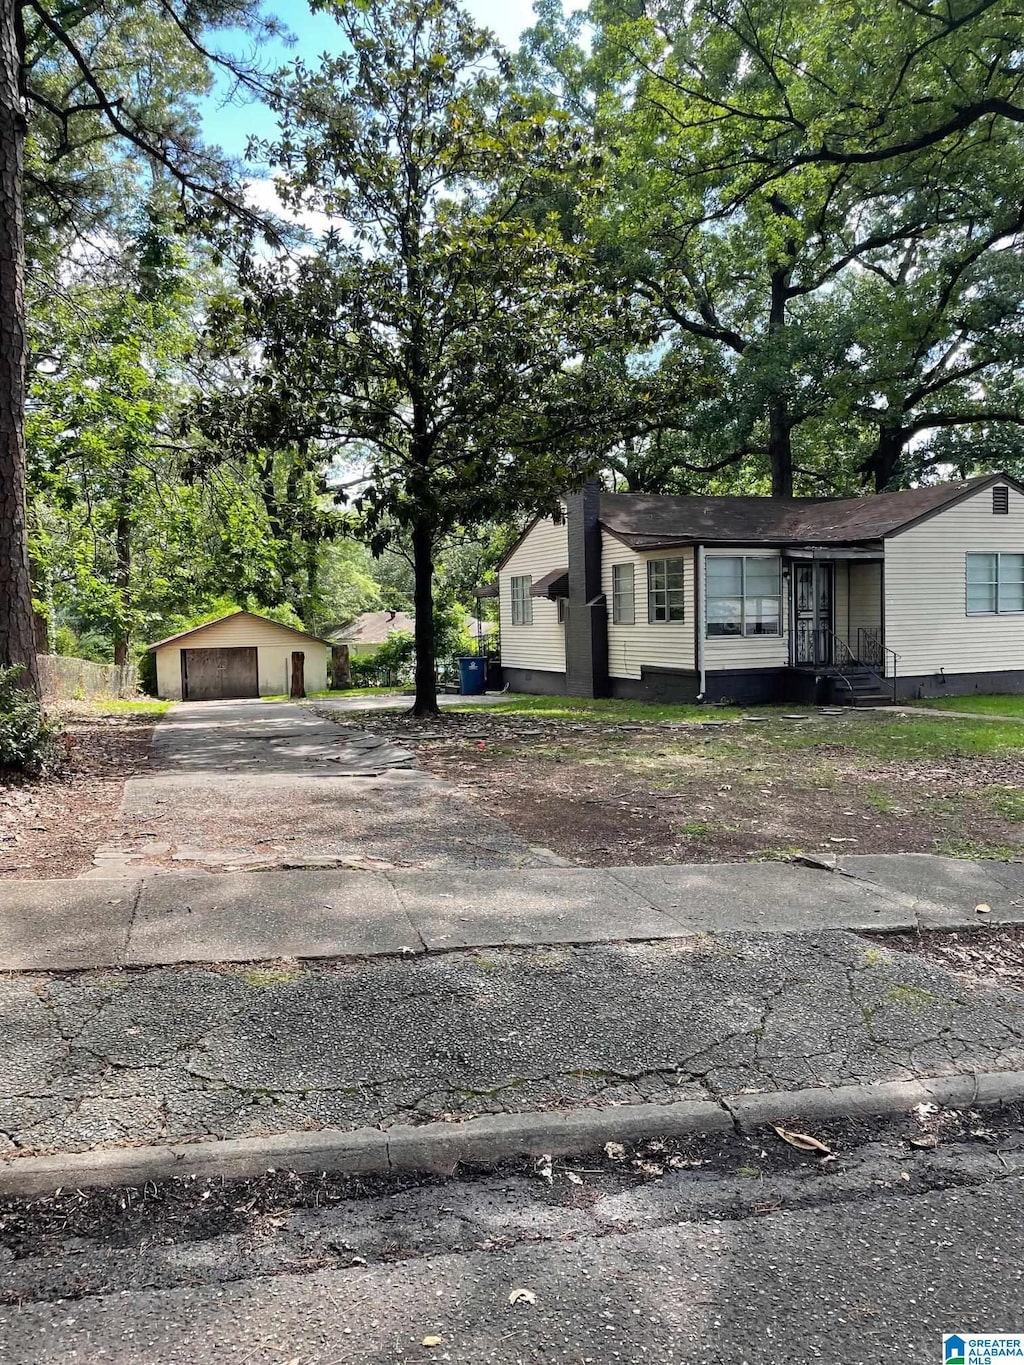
[207,674]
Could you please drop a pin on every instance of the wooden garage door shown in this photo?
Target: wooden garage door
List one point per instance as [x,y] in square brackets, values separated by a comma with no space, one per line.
[207,674]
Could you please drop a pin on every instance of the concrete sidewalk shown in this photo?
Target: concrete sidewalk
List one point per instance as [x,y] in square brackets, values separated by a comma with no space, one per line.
[249,917]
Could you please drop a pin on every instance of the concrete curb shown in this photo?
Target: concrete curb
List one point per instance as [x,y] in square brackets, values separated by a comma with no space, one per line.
[440,1147]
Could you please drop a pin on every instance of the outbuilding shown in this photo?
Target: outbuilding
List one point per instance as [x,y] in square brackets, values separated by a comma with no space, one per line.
[239,655]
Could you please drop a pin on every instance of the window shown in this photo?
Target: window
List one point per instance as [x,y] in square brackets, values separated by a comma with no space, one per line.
[522,602]
[744,595]
[560,605]
[1000,501]
[995,583]
[623,595]
[665,600]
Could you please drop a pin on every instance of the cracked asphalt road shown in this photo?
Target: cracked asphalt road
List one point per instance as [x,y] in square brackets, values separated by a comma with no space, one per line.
[100,1059]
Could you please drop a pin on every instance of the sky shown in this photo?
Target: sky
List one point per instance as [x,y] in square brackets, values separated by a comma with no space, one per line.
[229,124]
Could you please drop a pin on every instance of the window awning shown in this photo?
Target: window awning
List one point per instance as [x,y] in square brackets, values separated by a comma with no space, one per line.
[553,584]
[488,590]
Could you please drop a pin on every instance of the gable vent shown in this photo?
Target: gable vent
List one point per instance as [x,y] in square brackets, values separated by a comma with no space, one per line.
[1000,501]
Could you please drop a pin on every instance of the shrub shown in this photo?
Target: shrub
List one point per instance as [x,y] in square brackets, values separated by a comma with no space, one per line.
[27,739]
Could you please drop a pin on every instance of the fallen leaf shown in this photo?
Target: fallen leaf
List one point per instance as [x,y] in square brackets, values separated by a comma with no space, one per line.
[650,1167]
[615,1151]
[925,1140]
[431,1342]
[802,1141]
[543,1167]
[522,1296]
[573,1178]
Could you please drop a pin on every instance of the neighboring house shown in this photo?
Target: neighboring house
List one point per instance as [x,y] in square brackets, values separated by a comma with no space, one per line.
[911,594]
[239,655]
[368,632]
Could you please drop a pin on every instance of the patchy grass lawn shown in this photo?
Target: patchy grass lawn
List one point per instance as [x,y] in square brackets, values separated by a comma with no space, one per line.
[51,826]
[144,706]
[604,709]
[606,791]
[1002,705]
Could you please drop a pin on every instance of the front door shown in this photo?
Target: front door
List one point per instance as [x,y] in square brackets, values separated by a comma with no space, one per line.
[812,613]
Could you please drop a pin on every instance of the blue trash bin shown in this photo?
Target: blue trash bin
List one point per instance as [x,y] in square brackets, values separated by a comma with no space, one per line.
[472,674]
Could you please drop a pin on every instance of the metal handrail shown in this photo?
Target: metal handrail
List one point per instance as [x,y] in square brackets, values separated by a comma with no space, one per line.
[864,633]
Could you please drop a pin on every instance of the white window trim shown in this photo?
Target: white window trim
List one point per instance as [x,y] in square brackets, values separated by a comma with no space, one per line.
[618,570]
[669,620]
[742,596]
[997,610]
[522,602]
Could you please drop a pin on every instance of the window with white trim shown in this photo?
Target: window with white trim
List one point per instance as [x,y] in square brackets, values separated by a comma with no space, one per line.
[744,595]
[522,602]
[666,600]
[995,584]
[623,595]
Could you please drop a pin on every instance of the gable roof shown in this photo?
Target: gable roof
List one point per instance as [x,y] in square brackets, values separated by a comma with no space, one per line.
[230,616]
[646,522]
[373,627]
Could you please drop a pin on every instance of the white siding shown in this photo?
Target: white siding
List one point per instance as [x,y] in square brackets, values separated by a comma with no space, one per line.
[865,598]
[542,644]
[274,645]
[749,651]
[926,619]
[660,644]
[841,602]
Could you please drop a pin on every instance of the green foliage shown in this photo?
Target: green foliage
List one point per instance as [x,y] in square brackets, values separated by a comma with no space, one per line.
[821,218]
[27,739]
[439,336]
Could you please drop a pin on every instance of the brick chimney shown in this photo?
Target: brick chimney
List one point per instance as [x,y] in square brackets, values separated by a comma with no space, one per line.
[586,622]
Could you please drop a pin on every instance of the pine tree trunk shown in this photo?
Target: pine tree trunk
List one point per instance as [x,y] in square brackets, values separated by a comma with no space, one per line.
[17,622]
[123,572]
[423,597]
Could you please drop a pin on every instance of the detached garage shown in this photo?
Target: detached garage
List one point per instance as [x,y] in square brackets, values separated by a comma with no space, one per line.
[239,655]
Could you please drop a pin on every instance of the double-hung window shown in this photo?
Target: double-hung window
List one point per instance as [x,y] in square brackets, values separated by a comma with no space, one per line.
[744,595]
[665,590]
[995,583]
[522,602]
[623,595]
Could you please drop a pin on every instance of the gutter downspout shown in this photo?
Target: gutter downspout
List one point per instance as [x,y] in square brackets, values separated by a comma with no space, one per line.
[699,615]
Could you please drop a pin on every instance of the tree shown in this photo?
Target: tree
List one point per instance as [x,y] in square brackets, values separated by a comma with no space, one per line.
[69,83]
[772,155]
[435,333]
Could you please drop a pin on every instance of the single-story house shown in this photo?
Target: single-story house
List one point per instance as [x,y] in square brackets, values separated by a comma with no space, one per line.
[239,655]
[910,594]
[368,632]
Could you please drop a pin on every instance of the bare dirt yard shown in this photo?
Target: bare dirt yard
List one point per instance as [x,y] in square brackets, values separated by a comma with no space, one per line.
[603,792]
[50,826]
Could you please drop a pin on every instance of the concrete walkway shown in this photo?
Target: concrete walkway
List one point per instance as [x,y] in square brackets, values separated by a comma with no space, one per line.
[261,916]
[249,784]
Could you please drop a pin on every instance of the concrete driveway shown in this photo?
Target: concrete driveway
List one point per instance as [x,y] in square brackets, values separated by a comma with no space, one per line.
[239,785]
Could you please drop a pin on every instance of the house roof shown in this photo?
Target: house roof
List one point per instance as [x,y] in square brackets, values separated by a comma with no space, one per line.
[229,616]
[555,583]
[646,522]
[373,628]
